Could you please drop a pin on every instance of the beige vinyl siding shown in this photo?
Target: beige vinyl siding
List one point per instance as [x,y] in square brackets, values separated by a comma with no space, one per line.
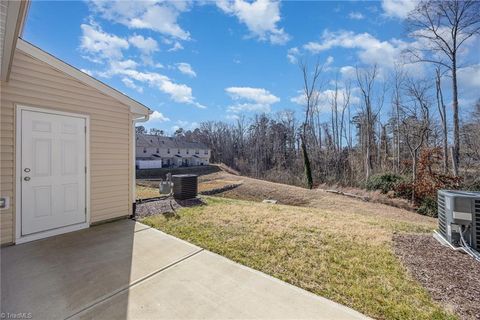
[36,84]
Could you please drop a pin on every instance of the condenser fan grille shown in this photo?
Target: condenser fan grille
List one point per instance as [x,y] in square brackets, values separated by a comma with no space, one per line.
[442,219]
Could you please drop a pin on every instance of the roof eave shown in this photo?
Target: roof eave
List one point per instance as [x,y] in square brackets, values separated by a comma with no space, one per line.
[15,20]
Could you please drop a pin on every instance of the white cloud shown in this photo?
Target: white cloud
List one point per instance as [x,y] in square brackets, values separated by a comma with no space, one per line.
[260,17]
[180,93]
[185,125]
[292,55]
[370,49]
[130,84]
[146,45]
[102,47]
[99,45]
[348,72]
[232,117]
[251,99]
[259,95]
[157,16]
[356,15]
[325,98]
[329,61]
[249,107]
[157,116]
[123,64]
[176,47]
[398,8]
[186,68]
[469,78]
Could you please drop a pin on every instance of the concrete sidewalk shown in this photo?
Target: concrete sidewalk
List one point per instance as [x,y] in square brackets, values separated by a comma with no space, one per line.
[126,270]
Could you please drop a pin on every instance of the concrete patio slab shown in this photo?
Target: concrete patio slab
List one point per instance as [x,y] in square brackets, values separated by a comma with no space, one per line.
[126,270]
[56,277]
[208,286]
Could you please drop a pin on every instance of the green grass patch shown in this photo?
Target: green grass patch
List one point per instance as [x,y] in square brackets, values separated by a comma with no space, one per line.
[344,257]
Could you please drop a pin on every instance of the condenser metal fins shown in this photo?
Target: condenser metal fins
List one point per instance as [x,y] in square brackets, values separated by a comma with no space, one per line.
[459,218]
[442,222]
[185,186]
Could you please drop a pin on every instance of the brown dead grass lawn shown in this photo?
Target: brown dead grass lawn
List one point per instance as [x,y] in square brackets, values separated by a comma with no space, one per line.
[340,254]
[149,189]
[146,192]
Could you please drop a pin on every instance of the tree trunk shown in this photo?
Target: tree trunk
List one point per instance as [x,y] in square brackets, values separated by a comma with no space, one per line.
[456,127]
[414,175]
[445,148]
[306,163]
[443,117]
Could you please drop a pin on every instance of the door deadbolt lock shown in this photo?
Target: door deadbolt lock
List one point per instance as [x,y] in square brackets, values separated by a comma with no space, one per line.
[26,178]
[26,169]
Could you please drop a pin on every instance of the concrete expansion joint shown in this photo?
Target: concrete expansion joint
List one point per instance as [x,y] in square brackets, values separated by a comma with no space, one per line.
[133,284]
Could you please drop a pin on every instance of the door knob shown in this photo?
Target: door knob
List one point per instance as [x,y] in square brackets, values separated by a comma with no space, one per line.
[26,169]
[26,178]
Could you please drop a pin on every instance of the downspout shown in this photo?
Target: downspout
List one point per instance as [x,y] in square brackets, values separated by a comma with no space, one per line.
[134,149]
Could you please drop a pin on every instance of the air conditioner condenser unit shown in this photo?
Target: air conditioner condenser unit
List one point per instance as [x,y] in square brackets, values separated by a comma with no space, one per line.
[459,218]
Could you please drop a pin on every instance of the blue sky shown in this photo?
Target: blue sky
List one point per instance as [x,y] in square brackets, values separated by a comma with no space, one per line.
[200,61]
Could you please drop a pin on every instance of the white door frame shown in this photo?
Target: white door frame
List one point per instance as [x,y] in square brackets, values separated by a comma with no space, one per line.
[18,185]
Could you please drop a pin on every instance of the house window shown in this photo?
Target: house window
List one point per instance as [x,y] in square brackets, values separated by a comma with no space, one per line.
[197,151]
[144,150]
[168,150]
[178,151]
[158,150]
[187,151]
[206,151]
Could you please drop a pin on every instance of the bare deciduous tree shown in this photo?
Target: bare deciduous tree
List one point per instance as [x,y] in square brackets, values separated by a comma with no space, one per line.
[442,28]
[416,122]
[443,116]
[311,96]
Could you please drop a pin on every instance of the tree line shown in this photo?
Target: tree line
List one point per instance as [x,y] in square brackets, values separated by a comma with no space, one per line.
[378,122]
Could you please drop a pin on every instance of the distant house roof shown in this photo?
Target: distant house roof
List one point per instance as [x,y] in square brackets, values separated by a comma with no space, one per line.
[153,141]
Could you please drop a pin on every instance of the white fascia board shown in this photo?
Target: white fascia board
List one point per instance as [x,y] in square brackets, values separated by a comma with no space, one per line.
[37,53]
[15,15]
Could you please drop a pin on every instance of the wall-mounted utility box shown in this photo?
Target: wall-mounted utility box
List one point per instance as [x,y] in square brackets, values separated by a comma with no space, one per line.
[4,202]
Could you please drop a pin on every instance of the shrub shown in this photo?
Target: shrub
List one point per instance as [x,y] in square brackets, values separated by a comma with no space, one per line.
[428,207]
[385,182]
[404,189]
[472,186]
[430,177]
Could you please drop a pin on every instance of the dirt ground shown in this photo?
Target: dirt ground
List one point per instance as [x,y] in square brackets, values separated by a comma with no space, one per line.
[164,206]
[259,190]
[451,277]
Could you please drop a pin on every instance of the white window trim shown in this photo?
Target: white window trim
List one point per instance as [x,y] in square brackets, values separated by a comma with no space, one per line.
[18,170]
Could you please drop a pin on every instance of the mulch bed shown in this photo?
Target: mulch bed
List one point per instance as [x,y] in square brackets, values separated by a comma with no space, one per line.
[164,206]
[451,277]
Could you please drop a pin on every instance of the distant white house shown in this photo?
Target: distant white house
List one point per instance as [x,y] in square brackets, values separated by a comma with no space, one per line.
[160,152]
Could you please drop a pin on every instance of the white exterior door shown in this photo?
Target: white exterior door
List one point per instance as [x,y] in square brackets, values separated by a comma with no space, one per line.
[53,174]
